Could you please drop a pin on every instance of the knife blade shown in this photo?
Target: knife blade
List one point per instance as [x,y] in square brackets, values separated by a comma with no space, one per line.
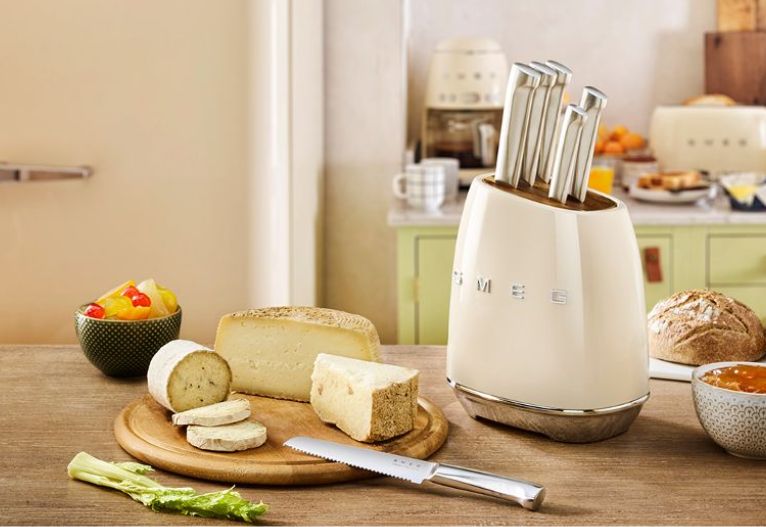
[552,118]
[593,102]
[528,495]
[537,112]
[565,156]
[522,82]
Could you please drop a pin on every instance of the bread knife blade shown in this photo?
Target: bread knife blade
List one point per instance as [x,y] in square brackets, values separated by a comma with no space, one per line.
[528,495]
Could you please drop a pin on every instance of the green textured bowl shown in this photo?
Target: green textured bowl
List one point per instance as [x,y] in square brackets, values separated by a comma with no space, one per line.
[124,348]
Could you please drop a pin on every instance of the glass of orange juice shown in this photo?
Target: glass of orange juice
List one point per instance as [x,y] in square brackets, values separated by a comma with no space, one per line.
[601,178]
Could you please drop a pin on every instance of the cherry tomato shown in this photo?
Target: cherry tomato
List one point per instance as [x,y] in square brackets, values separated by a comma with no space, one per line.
[94,311]
[131,291]
[141,300]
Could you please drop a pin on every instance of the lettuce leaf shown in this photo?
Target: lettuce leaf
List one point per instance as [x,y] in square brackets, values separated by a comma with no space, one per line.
[128,477]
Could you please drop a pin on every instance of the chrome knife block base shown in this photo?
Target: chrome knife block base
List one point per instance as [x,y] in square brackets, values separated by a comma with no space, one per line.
[569,426]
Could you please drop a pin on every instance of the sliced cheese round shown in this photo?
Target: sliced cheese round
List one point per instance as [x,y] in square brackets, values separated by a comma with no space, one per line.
[223,413]
[227,438]
[184,375]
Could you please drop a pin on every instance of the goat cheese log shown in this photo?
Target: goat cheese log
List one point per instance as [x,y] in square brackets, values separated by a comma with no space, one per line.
[227,438]
[367,400]
[223,413]
[184,375]
[272,350]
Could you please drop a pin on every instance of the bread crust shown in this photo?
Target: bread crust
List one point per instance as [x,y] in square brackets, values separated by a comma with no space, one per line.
[699,327]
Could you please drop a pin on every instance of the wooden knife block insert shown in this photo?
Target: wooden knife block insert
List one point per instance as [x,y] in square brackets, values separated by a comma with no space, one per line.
[735,65]
[539,193]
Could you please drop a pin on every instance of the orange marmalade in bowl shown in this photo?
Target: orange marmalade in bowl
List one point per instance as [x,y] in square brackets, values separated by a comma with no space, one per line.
[740,378]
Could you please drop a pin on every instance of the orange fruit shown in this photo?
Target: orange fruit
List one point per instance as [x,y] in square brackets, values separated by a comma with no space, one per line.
[632,141]
[603,132]
[613,147]
[599,148]
[618,132]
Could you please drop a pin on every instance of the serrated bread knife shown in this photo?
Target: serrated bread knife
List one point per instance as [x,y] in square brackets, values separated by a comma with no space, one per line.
[528,495]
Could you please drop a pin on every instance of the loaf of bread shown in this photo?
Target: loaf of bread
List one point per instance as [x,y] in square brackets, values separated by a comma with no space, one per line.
[699,327]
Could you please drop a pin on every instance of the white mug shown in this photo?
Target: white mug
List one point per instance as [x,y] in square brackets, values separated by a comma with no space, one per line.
[424,186]
[452,171]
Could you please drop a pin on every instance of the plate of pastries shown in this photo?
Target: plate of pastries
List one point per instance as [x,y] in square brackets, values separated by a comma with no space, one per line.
[680,186]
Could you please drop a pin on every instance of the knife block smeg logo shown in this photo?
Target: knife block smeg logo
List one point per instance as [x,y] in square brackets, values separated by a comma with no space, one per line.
[518,290]
[483,285]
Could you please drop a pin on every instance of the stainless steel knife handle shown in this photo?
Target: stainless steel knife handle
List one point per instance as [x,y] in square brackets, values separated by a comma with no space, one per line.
[528,495]
[552,118]
[593,102]
[522,82]
[537,111]
[565,156]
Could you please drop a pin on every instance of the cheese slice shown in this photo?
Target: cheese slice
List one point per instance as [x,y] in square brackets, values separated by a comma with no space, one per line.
[223,413]
[184,375]
[227,438]
[271,351]
[368,401]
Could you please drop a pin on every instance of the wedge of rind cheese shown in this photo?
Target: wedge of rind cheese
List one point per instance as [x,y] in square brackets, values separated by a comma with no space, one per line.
[184,375]
[227,438]
[271,351]
[223,413]
[368,401]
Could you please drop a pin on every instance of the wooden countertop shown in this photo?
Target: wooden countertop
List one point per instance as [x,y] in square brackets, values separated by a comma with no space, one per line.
[664,470]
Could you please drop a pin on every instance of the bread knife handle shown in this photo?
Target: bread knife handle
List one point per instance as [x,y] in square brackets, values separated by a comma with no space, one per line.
[527,494]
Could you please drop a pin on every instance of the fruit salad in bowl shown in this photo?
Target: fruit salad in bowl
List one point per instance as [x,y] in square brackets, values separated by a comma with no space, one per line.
[122,329]
[129,301]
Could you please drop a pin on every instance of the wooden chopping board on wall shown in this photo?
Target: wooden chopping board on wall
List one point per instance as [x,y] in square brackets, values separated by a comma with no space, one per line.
[144,430]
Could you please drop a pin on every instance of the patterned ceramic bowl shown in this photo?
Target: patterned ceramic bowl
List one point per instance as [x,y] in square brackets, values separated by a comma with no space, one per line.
[124,348]
[734,420]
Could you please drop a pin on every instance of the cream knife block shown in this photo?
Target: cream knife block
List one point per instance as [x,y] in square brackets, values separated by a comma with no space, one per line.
[547,328]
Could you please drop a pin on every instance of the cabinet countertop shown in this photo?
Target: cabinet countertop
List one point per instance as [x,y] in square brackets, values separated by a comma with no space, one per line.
[664,470]
[716,212]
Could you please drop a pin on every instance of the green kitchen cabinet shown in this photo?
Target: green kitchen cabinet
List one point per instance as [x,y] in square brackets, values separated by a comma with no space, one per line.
[423,275]
[730,258]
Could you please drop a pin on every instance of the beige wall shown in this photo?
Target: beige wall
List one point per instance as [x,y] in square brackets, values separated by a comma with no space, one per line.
[364,144]
[641,52]
[153,95]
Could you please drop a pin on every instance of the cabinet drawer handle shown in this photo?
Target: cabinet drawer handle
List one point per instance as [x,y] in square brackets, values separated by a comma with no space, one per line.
[653,264]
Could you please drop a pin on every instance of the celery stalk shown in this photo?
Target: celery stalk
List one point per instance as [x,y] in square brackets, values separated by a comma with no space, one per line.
[128,477]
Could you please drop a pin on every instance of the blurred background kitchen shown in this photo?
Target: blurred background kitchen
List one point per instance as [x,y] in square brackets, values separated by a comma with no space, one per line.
[242,152]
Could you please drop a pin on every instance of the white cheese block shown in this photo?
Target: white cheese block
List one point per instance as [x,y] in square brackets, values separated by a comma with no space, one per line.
[271,351]
[227,438]
[223,413]
[368,401]
[184,375]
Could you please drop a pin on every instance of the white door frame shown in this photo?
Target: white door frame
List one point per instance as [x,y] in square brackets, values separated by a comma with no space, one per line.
[286,154]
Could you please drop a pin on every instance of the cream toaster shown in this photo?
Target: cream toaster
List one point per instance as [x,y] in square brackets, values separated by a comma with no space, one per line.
[547,324]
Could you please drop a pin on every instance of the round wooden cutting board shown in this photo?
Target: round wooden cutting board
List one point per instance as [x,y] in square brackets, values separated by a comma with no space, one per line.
[144,430]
